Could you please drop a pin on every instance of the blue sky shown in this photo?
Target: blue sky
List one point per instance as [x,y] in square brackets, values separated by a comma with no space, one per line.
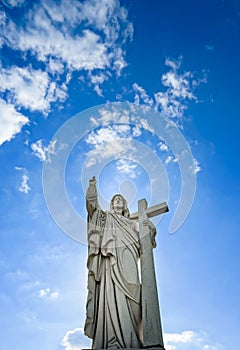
[166,77]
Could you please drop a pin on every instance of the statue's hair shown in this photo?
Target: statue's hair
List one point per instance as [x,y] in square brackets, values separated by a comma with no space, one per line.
[125,211]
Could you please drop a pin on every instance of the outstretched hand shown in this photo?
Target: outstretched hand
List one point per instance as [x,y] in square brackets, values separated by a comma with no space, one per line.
[92,181]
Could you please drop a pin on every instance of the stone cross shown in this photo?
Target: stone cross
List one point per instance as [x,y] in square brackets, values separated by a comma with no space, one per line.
[152,329]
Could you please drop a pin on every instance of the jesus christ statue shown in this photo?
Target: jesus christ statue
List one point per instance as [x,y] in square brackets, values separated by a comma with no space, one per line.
[114,312]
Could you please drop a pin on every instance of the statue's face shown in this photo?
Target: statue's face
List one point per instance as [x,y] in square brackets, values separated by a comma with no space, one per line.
[118,203]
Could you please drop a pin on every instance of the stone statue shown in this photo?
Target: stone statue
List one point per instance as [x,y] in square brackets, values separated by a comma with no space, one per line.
[114,303]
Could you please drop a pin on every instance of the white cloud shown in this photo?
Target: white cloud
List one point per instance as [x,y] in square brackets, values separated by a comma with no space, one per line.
[179,85]
[178,89]
[114,150]
[168,160]
[115,142]
[19,168]
[97,80]
[184,337]
[110,142]
[195,168]
[55,66]
[44,153]
[127,167]
[24,187]
[102,136]
[110,134]
[174,64]
[53,30]
[141,95]
[62,37]
[189,340]
[48,293]
[137,131]
[11,121]
[163,146]
[111,115]
[144,123]
[75,340]
[29,88]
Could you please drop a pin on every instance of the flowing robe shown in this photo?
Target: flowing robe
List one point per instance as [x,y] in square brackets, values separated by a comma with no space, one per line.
[113,318]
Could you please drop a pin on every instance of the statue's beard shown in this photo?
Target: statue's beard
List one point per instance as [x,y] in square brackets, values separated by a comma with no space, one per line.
[118,210]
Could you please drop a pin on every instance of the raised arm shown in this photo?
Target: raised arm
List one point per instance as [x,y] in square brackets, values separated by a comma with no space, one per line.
[91,197]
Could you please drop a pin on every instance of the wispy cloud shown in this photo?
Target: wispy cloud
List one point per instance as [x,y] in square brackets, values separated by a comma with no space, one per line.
[44,153]
[195,168]
[209,47]
[48,294]
[115,140]
[111,115]
[17,275]
[127,167]
[141,95]
[24,186]
[97,80]
[112,142]
[178,89]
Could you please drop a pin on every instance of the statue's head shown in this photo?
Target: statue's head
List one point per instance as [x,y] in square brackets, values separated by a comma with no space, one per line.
[119,205]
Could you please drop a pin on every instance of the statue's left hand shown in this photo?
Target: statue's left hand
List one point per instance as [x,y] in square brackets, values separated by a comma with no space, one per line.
[152,230]
[149,224]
